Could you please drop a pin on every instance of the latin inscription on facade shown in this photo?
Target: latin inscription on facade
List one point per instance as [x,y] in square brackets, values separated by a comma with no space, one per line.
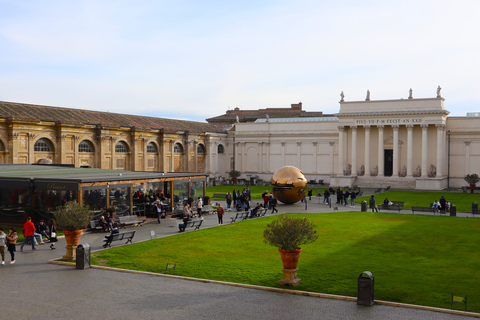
[389,121]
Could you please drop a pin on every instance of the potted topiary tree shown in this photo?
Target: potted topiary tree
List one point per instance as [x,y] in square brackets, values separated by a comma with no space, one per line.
[288,234]
[472,180]
[234,174]
[72,217]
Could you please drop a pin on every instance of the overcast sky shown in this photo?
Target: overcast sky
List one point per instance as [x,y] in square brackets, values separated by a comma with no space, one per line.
[196,59]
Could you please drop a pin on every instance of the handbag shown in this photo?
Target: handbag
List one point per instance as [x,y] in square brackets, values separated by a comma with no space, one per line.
[53,234]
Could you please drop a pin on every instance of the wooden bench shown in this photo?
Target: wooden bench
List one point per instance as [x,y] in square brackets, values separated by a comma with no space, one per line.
[219,196]
[95,225]
[129,220]
[439,209]
[262,212]
[390,207]
[127,235]
[208,209]
[398,203]
[423,209]
[193,224]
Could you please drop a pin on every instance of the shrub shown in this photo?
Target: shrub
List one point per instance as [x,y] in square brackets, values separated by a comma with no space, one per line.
[472,178]
[72,216]
[288,233]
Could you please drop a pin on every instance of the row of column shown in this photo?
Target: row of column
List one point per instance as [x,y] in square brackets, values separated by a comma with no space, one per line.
[342,153]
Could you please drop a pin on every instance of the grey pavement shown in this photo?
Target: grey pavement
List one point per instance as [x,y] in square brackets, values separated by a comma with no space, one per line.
[35,289]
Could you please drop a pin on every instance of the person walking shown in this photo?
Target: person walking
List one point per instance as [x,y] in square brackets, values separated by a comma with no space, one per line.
[310,192]
[28,232]
[274,204]
[3,239]
[353,196]
[234,195]
[373,203]
[158,207]
[199,206]
[228,197]
[52,227]
[220,213]
[12,241]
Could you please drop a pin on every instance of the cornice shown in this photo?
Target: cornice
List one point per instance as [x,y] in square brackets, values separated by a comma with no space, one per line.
[392,113]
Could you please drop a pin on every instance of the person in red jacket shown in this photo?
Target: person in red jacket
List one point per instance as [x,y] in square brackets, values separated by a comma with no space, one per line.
[28,233]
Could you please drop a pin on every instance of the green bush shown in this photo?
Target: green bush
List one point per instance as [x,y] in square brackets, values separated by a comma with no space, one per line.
[288,233]
[72,216]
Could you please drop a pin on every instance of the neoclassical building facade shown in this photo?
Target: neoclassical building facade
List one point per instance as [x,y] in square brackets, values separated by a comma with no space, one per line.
[29,133]
[406,143]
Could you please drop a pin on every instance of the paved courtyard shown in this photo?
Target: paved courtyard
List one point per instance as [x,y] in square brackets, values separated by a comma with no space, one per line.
[35,289]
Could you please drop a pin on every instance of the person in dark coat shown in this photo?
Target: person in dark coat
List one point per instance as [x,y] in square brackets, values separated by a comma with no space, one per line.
[110,237]
[373,203]
[52,229]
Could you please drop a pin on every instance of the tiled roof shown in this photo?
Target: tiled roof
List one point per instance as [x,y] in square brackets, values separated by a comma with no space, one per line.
[29,112]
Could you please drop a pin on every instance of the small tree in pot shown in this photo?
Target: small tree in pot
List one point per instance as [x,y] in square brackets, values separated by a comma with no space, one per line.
[234,174]
[288,234]
[72,217]
[472,180]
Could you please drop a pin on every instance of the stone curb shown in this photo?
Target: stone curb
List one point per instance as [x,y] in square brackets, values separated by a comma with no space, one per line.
[278,290]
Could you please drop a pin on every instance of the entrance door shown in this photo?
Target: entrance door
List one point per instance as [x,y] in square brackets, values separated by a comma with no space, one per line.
[388,163]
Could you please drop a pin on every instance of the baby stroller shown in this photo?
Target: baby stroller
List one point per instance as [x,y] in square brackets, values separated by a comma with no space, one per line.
[239,207]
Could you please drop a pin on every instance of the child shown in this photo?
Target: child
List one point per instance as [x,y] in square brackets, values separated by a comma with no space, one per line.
[12,240]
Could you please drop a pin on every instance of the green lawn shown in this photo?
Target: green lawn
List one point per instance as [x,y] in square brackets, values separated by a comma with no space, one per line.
[414,259]
[463,201]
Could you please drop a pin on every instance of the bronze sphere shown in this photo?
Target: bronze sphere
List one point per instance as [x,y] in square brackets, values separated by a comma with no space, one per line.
[289,184]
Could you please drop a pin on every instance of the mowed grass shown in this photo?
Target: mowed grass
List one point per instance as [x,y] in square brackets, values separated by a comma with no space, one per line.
[463,201]
[415,259]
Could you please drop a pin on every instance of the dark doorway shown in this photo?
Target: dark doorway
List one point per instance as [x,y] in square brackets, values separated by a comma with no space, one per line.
[388,163]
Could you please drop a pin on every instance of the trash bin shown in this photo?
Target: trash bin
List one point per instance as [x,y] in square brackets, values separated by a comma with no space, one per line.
[364,206]
[453,211]
[83,256]
[474,208]
[365,289]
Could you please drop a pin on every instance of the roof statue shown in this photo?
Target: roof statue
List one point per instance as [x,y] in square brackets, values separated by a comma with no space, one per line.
[342,96]
[268,118]
[438,92]
[410,94]
[237,120]
[368,96]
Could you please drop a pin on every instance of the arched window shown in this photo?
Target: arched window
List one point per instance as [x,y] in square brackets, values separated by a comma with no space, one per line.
[121,147]
[177,148]
[2,146]
[220,149]
[201,149]
[43,145]
[151,148]
[85,146]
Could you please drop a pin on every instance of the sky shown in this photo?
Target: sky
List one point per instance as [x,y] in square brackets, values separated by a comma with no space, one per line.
[197,59]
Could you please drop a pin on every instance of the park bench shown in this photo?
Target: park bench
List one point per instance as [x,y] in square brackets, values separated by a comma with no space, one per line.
[398,203]
[262,212]
[439,210]
[127,235]
[129,220]
[423,209]
[390,207]
[241,215]
[378,190]
[194,224]
[208,209]
[95,225]
[219,196]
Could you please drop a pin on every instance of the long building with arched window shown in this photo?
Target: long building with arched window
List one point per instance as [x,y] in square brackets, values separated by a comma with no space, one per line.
[32,133]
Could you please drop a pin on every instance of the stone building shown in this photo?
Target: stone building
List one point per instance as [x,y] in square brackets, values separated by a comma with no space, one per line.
[29,133]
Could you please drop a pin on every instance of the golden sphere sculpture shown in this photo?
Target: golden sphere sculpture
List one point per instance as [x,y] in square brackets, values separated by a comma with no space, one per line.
[289,184]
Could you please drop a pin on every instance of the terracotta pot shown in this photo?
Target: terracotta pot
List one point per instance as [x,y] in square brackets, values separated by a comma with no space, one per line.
[72,237]
[472,188]
[290,258]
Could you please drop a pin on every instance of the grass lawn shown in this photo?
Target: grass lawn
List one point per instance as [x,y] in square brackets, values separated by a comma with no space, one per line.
[414,259]
[463,201]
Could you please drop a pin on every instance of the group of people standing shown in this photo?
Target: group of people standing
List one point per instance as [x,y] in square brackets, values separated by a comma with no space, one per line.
[344,197]
[31,234]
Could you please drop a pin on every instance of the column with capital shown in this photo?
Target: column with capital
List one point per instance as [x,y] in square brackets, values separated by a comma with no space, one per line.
[341,134]
[395,151]
[283,153]
[467,157]
[267,165]
[354,150]
[243,157]
[172,157]
[381,155]
[332,158]
[424,150]
[367,150]
[260,156]
[440,150]
[299,154]
[410,150]
[315,165]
